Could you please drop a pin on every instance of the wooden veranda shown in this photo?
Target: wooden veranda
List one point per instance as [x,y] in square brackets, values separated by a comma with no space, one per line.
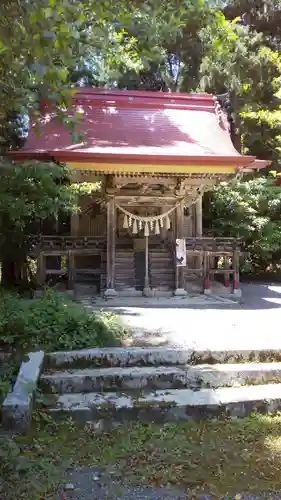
[207,258]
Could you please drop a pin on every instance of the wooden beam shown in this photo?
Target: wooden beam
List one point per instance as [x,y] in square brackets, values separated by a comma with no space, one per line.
[198,217]
[111,235]
[41,269]
[71,270]
[125,180]
[148,168]
[146,276]
[113,241]
[108,257]
[132,200]
[180,234]
[198,232]
[74,224]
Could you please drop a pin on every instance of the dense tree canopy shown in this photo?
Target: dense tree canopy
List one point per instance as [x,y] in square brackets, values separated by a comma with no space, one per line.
[250,210]
[227,47]
[45,45]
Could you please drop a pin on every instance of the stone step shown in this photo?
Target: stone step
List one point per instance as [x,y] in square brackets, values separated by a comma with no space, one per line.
[168,405]
[160,260]
[165,268]
[123,271]
[155,356]
[124,260]
[123,276]
[160,255]
[162,272]
[161,377]
[126,266]
[162,251]
[124,283]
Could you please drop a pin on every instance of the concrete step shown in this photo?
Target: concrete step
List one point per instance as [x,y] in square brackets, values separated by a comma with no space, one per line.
[161,377]
[168,405]
[155,356]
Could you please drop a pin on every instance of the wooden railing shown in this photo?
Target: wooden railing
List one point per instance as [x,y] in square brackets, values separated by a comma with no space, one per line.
[214,256]
[213,245]
[56,245]
[206,257]
[57,256]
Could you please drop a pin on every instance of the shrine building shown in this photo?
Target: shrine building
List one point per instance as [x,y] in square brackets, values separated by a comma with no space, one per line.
[154,156]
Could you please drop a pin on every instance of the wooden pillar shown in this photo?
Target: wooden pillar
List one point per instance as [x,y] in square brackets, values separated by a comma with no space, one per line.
[146,277]
[74,224]
[203,260]
[113,242]
[180,274]
[108,245]
[74,231]
[71,270]
[226,274]
[110,260]
[41,269]
[198,217]
[163,231]
[236,279]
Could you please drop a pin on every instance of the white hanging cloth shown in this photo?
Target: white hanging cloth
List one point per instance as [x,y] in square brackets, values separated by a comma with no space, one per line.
[150,224]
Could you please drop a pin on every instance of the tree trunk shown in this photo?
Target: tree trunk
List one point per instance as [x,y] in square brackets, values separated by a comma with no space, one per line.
[235,125]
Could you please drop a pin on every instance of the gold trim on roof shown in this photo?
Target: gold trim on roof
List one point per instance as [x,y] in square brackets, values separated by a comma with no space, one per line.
[111,168]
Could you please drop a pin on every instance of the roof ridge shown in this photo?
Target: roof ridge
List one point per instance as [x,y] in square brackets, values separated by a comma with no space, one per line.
[143,93]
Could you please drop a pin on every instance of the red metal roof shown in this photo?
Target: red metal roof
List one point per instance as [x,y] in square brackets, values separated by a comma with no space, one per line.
[135,127]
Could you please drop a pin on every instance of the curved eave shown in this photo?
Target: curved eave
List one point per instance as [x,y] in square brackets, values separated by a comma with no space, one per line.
[257,165]
[237,162]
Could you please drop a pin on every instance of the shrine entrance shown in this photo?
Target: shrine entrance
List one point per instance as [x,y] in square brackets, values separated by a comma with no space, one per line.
[142,263]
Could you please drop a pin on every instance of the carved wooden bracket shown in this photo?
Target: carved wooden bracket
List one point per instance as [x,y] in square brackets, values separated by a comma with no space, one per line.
[193,193]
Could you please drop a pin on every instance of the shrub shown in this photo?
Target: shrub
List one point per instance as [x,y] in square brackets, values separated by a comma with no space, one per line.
[250,210]
[54,322]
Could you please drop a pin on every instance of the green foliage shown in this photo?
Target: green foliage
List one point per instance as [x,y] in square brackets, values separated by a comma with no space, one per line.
[237,60]
[22,472]
[54,323]
[9,367]
[250,210]
[30,193]
[86,188]
[263,15]
[46,47]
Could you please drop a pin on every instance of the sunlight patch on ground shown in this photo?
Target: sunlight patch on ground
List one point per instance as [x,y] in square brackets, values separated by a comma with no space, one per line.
[275,289]
[272,300]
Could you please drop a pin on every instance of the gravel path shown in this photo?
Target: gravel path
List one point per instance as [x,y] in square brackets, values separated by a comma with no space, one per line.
[88,484]
[252,325]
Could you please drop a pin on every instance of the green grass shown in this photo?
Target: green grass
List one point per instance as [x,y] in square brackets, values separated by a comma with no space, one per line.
[219,458]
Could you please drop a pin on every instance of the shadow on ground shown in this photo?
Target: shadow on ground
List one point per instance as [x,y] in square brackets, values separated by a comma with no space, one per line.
[251,324]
